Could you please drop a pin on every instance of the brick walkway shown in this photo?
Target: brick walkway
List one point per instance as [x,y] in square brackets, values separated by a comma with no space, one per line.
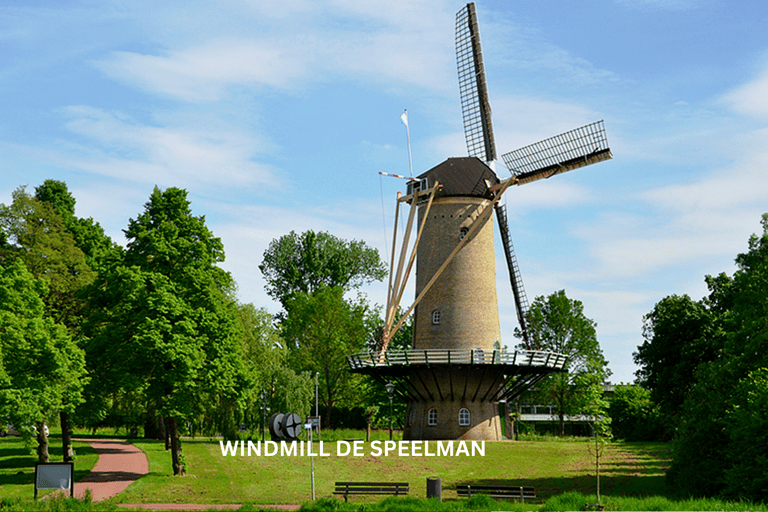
[120,464]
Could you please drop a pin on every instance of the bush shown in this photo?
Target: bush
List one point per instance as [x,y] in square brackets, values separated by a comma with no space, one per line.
[634,417]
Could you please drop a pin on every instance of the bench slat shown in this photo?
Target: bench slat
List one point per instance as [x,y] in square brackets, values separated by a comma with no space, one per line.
[496,491]
[347,488]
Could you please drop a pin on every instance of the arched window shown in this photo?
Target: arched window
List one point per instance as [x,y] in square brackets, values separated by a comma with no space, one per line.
[462,233]
[432,417]
[436,317]
[463,417]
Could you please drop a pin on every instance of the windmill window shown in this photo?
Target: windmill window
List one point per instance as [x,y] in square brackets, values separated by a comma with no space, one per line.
[432,417]
[464,417]
[436,317]
[462,233]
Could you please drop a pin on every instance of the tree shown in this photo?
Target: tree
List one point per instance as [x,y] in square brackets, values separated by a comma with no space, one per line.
[728,391]
[38,237]
[558,324]
[89,236]
[747,454]
[266,357]
[321,330]
[164,325]
[305,263]
[41,368]
[634,415]
[678,335]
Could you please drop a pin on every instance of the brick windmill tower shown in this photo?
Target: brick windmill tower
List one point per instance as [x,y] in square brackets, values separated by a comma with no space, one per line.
[456,372]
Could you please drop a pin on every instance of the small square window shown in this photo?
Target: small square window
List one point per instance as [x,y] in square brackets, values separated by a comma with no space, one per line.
[432,417]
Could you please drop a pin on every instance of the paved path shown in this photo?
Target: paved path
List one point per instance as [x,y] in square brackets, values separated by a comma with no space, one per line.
[120,464]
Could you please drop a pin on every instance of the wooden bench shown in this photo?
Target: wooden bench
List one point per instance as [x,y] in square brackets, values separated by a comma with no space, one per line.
[496,491]
[348,488]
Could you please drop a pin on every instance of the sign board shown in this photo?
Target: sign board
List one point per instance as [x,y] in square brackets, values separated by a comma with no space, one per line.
[55,475]
[314,421]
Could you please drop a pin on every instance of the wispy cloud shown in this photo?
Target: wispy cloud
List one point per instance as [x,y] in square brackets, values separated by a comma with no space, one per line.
[751,99]
[117,146]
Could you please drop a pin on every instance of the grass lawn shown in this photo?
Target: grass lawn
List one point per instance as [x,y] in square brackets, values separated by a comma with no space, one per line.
[17,464]
[552,467]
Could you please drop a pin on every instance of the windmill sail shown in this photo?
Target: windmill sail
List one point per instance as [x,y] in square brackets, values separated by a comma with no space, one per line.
[570,150]
[473,91]
[521,300]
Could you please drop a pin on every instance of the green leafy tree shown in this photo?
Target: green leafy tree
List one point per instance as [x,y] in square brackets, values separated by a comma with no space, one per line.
[728,388]
[679,336]
[747,453]
[41,368]
[164,325]
[89,236]
[558,324]
[305,263]
[634,415]
[38,237]
[266,358]
[321,330]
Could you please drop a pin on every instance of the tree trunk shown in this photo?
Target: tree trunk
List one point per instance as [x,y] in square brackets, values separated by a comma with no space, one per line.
[165,426]
[66,437]
[153,427]
[42,443]
[173,428]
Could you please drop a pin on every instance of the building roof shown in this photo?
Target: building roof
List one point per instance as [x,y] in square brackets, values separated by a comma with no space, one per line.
[464,176]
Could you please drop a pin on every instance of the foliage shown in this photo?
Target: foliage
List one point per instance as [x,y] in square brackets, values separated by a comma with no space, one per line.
[747,452]
[41,368]
[634,415]
[89,236]
[266,358]
[710,457]
[558,324]
[320,330]
[38,238]
[306,263]
[163,328]
[679,336]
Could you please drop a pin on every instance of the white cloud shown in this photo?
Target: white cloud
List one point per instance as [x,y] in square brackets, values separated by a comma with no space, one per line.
[203,72]
[120,147]
[751,99]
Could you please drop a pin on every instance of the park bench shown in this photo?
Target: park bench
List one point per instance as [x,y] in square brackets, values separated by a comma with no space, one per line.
[349,488]
[496,491]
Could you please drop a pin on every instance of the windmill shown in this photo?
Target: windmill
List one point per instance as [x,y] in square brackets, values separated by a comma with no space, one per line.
[456,372]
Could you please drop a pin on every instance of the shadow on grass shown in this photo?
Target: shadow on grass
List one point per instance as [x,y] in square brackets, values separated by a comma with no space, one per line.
[21,462]
[621,485]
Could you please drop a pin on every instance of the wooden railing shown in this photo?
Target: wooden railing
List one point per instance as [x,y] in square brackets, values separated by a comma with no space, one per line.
[459,356]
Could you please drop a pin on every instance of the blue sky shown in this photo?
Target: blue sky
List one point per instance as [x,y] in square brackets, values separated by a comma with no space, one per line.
[278,116]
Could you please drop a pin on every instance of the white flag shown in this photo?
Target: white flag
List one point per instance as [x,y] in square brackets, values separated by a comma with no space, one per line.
[404,118]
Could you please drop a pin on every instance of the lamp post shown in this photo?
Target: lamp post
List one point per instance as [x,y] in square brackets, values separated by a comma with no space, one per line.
[390,389]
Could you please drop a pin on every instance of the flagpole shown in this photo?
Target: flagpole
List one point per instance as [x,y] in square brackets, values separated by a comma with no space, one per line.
[404,119]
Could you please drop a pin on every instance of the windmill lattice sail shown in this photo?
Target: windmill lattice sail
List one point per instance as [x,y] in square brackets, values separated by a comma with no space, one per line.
[570,150]
[475,107]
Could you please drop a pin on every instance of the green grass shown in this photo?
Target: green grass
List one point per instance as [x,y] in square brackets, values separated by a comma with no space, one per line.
[562,471]
[551,467]
[17,464]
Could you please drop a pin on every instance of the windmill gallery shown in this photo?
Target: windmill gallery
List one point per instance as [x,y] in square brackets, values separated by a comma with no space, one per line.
[456,373]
